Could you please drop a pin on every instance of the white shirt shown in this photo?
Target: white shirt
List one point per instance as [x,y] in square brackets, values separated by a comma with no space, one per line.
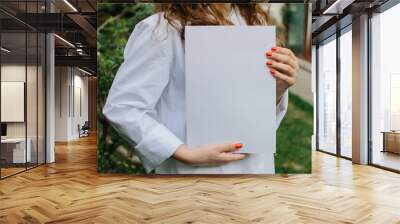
[146,102]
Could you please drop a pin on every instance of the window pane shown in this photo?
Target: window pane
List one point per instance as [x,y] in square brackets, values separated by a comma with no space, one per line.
[385,89]
[14,153]
[327,96]
[23,87]
[346,94]
[31,97]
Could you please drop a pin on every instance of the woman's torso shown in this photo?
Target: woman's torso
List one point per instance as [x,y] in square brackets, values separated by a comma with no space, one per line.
[171,109]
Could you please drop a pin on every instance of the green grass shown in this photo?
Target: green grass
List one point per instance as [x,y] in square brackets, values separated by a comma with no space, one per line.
[294,138]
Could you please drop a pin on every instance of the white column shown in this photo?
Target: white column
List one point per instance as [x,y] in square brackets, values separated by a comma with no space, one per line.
[360,90]
[50,110]
[50,93]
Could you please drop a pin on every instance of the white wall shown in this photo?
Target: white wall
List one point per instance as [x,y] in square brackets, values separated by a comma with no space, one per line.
[62,81]
[70,83]
[15,72]
[80,88]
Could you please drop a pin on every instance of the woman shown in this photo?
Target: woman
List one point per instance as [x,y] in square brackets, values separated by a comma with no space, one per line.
[146,102]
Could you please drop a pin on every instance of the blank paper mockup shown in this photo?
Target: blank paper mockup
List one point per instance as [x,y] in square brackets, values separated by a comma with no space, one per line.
[230,94]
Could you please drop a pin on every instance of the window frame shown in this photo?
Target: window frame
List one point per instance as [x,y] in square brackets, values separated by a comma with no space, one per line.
[337,34]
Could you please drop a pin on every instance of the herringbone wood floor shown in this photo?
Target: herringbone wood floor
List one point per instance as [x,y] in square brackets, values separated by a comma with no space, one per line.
[71,191]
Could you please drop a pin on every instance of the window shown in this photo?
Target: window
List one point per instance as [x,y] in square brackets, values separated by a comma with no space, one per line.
[346,92]
[385,89]
[327,95]
[333,137]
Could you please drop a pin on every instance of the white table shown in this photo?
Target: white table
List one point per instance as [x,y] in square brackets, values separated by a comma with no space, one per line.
[18,145]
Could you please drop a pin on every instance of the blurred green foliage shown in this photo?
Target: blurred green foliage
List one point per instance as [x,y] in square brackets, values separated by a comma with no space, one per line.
[293,20]
[115,24]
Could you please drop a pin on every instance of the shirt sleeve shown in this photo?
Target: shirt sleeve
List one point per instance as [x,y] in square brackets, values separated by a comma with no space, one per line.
[281,108]
[135,91]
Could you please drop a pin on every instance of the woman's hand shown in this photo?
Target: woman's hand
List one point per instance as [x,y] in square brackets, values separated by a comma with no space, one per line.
[284,66]
[210,154]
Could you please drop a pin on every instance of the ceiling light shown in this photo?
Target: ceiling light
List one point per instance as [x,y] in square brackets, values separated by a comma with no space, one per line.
[70,5]
[86,72]
[65,41]
[5,50]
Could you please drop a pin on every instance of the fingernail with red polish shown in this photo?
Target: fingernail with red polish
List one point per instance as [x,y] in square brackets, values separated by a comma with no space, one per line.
[269,63]
[238,145]
[273,72]
[274,49]
[269,54]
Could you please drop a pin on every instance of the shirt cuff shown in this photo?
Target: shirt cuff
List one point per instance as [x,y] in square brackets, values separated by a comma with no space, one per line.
[159,145]
[281,108]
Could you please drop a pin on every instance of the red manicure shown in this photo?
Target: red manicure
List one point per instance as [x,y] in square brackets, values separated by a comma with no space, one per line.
[269,63]
[274,49]
[269,54]
[273,72]
[238,145]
